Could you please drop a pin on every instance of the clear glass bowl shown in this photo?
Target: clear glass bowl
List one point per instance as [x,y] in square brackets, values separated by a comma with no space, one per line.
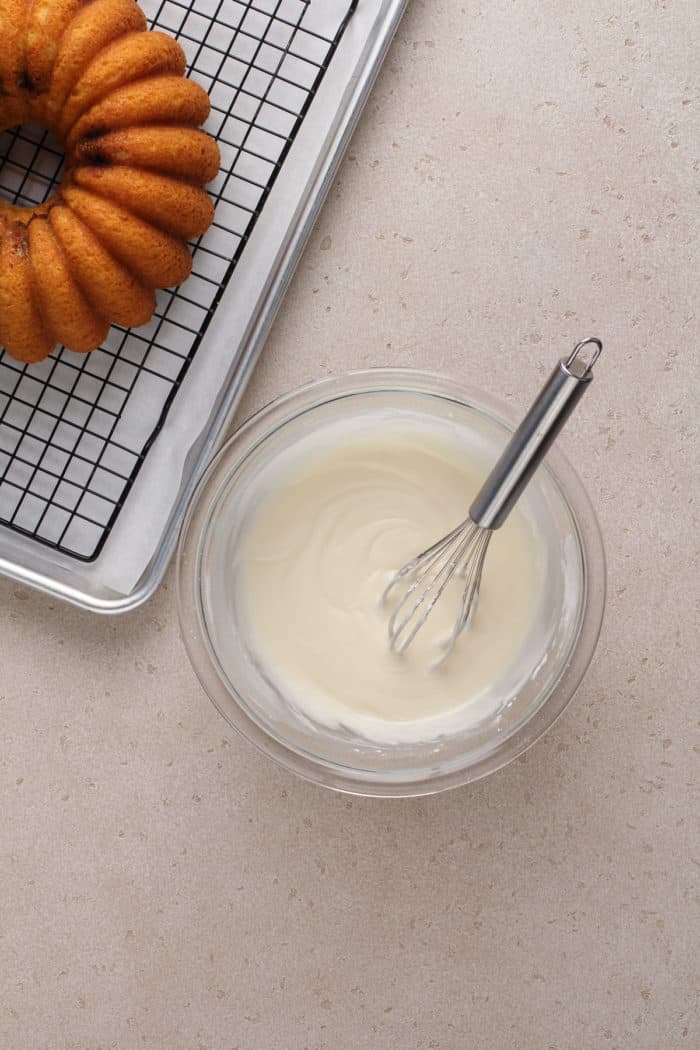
[559,647]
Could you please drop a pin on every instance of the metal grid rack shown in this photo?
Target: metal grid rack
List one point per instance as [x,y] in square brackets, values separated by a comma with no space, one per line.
[75,429]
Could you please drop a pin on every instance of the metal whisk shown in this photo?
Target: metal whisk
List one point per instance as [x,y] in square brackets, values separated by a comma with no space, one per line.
[463,551]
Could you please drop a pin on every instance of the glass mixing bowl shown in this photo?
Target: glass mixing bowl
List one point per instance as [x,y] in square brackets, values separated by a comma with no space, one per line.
[559,646]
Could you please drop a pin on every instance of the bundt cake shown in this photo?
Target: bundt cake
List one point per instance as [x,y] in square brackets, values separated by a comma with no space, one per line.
[115,96]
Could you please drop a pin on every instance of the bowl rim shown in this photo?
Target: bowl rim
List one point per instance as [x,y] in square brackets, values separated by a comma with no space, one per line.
[268,420]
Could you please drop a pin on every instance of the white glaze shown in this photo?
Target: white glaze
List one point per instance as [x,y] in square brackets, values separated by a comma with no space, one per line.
[325,538]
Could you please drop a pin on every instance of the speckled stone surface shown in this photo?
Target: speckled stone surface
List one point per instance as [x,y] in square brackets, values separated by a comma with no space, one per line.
[525,173]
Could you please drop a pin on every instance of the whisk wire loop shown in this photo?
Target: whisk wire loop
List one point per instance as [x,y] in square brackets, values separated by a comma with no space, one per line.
[433,570]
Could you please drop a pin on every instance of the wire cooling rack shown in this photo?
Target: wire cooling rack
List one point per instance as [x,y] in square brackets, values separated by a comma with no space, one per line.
[75,430]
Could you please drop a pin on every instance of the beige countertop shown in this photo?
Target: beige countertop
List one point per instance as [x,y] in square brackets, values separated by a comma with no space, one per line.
[525,173]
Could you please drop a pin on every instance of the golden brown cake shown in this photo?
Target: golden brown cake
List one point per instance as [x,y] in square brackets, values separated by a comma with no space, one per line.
[115,96]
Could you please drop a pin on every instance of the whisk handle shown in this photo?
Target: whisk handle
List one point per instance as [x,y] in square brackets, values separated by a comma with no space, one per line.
[533,438]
